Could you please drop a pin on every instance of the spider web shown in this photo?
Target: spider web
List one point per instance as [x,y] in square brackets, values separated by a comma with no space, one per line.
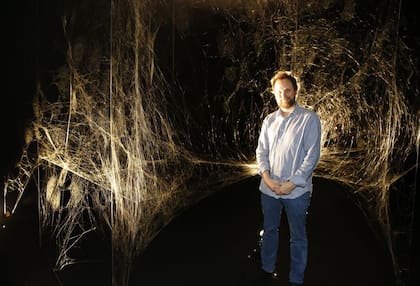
[128,133]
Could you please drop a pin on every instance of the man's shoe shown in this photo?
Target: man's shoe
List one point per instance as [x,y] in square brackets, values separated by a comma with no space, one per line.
[269,275]
[295,284]
[274,275]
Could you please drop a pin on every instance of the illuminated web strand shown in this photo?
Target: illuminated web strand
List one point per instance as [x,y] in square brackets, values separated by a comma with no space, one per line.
[111,143]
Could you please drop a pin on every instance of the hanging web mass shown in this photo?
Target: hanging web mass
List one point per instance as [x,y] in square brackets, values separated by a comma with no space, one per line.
[137,126]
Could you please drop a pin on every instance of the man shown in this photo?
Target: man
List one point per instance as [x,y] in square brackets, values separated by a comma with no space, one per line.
[287,153]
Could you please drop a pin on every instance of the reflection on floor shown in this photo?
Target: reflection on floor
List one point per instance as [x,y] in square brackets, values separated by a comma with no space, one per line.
[214,242]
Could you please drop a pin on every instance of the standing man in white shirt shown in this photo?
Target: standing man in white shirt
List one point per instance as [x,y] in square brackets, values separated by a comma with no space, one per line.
[287,153]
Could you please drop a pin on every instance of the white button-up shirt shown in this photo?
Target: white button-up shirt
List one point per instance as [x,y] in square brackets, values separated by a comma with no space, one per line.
[289,147]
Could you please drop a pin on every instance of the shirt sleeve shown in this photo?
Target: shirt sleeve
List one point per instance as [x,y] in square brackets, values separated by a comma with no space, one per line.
[312,149]
[262,152]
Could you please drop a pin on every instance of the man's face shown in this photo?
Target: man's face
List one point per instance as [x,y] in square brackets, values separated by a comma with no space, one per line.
[284,93]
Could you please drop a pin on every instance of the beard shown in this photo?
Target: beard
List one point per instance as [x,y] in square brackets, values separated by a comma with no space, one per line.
[287,102]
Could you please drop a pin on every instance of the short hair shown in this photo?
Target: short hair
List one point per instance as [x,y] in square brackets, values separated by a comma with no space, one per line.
[284,75]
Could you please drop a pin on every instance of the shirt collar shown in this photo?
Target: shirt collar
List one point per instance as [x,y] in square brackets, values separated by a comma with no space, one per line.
[295,110]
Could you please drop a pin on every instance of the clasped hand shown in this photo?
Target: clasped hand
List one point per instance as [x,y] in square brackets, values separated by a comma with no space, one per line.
[281,188]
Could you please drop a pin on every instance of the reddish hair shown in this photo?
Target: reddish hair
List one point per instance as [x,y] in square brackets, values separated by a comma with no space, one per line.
[284,75]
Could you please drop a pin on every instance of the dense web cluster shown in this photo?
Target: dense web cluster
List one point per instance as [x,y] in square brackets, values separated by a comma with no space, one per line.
[156,105]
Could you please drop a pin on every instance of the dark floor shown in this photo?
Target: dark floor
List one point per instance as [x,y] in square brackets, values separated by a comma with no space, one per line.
[215,242]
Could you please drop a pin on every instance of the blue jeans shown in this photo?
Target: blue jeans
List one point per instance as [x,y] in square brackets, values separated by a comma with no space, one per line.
[296,210]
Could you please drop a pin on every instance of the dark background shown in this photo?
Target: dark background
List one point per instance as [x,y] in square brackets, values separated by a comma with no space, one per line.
[355,256]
